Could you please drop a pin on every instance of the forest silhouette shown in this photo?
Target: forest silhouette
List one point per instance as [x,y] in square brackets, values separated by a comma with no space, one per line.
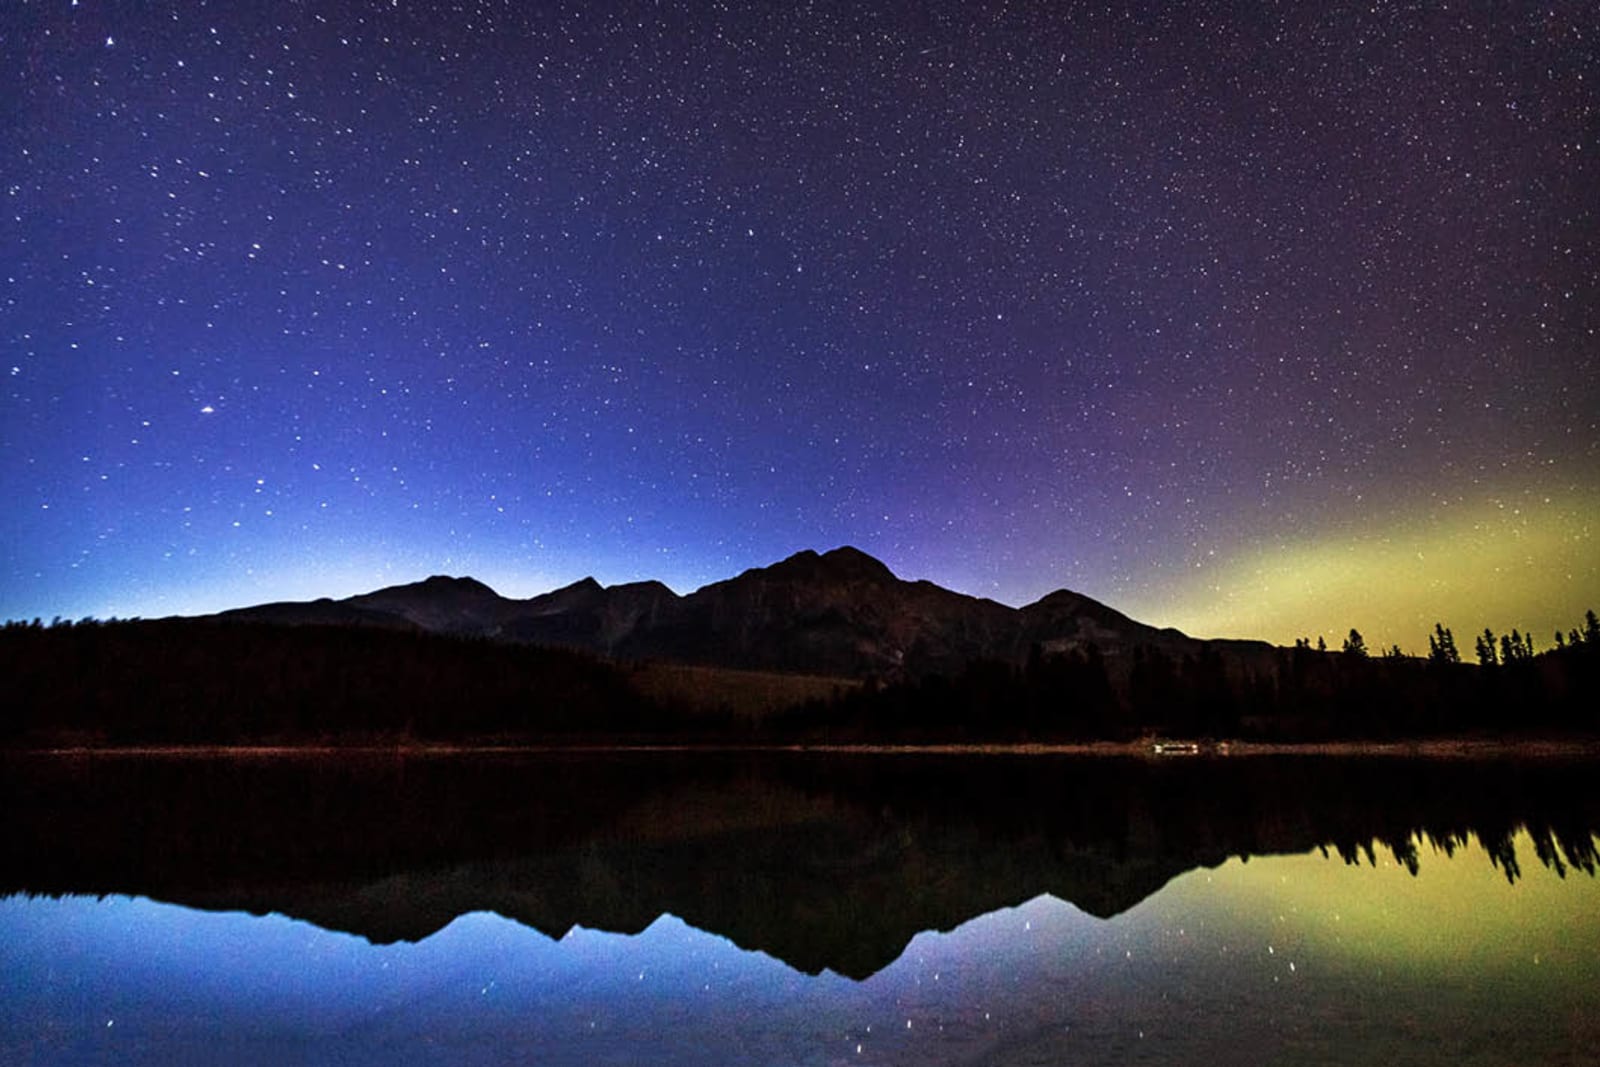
[183,681]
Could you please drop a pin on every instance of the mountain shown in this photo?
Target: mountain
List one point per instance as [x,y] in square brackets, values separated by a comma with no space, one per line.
[439,603]
[323,612]
[1064,619]
[589,615]
[840,613]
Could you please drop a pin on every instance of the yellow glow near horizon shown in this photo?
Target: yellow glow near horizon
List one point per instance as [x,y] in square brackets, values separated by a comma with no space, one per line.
[1529,561]
[1457,911]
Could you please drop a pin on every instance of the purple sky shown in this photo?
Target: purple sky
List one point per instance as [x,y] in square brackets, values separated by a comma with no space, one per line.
[1169,304]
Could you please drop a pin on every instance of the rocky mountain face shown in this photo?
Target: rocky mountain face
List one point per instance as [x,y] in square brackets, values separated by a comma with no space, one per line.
[838,613]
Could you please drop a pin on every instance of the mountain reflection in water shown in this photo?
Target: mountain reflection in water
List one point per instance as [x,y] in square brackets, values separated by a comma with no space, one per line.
[1093,911]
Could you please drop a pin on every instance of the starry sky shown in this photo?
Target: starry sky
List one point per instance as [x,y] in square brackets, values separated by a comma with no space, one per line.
[1256,319]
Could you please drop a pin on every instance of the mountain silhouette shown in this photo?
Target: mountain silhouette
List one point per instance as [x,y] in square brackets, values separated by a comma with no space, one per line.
[840,612]
[439,603]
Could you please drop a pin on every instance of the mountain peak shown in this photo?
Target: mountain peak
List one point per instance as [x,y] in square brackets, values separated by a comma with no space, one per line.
[1061,598]
[851,558]
[431,588]
[586,584]
[568,597]
[443,582]
[649,585]
[843,564]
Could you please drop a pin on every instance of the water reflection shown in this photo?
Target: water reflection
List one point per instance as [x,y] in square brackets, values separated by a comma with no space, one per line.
[782,910]
[1276,959]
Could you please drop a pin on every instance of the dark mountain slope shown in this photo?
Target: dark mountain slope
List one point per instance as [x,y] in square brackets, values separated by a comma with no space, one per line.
[324,612]
[841,612]
[591,616]
[441,604]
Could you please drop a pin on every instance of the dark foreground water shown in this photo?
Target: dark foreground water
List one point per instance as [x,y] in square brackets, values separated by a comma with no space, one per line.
[793,910]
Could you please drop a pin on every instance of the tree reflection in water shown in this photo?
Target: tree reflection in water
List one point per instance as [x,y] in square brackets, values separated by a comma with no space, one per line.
[1220,907]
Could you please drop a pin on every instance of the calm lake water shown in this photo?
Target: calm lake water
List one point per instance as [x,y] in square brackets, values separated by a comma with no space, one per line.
[798,909]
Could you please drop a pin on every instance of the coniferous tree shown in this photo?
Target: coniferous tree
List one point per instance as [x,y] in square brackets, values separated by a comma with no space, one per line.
[1355,645]
[1442,646]
[1515,648]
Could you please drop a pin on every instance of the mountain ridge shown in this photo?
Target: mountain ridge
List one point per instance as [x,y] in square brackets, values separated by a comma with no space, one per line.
[840,612]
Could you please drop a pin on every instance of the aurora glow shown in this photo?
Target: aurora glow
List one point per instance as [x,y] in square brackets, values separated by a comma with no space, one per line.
[1525,560]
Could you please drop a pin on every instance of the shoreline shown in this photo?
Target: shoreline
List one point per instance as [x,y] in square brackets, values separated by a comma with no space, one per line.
[1464,748]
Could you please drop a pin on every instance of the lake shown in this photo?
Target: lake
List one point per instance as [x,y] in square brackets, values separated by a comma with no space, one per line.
[791,908]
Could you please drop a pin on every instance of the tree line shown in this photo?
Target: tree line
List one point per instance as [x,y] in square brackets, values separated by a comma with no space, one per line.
[201,681]
[178,681]
[1306,693]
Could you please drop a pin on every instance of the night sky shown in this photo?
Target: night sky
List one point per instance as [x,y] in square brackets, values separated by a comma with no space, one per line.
[1254,319]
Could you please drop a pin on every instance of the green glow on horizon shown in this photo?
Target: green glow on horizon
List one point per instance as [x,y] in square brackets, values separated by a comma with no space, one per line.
[1458,912]
[1529,561]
